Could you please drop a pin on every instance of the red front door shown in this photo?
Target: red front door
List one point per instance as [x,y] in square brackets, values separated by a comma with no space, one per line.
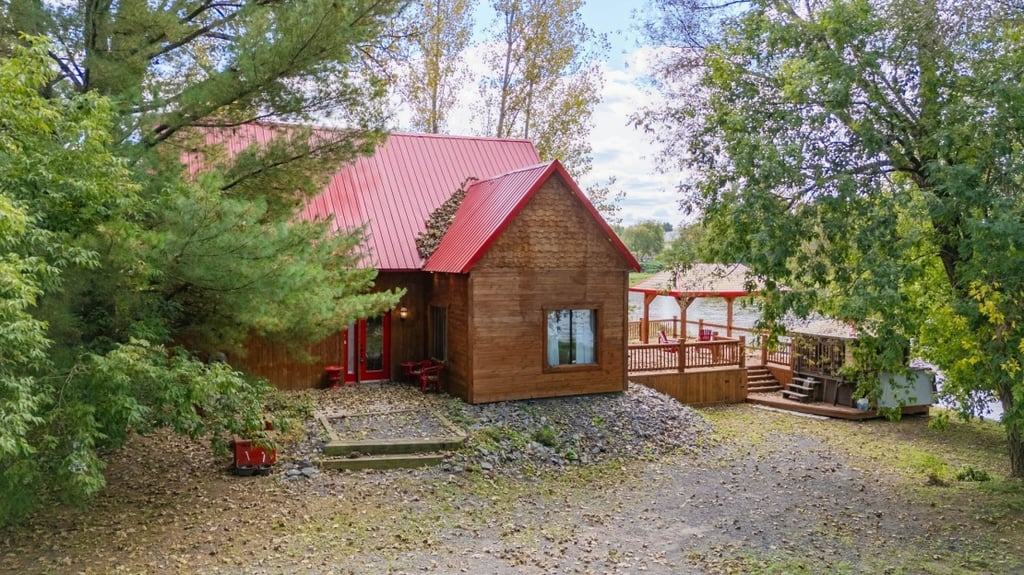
[368,349]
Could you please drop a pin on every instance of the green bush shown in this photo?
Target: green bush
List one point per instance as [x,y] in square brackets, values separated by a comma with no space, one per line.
[546,436]
[970,473]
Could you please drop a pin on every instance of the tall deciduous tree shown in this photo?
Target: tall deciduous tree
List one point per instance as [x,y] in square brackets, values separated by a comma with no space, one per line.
[868,154]
[545,79]
[441,30]
[645,239]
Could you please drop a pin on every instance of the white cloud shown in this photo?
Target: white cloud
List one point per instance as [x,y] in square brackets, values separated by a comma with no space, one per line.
[627,153]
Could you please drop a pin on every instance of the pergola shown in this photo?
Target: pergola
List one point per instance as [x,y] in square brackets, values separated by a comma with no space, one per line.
[727,281]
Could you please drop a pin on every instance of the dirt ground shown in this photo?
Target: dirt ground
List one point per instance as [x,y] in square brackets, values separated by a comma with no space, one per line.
[768,493]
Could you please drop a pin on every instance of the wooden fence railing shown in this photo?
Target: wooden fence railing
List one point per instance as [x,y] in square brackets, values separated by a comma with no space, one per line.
[721,352]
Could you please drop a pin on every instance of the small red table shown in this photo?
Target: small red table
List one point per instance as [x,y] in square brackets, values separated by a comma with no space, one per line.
[333,375]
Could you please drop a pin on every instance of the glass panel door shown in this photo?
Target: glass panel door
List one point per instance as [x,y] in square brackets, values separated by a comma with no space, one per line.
[374,344]
[367,349]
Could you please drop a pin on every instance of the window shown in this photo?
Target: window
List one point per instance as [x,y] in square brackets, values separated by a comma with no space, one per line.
[571,337]
[439,333]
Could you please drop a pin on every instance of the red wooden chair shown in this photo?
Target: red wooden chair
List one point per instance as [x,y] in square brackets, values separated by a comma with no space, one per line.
[430,376]
[664,340]
[705,335]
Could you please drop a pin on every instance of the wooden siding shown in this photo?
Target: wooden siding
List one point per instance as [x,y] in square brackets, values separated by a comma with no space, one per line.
[697,388]
[273,361]
[409,336]
[553,232]
[784,375]
[552,256]
[452,292]
[278,365]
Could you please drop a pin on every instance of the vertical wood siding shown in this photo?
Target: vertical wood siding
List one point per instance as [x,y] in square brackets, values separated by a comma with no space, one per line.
[706,387]
[552,256]
[452,291]
[284,370]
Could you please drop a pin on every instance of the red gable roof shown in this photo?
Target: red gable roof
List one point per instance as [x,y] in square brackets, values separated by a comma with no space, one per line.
[491,205]
[395,190]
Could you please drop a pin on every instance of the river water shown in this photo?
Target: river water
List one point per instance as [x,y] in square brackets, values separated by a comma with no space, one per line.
[745,314]
[709,309]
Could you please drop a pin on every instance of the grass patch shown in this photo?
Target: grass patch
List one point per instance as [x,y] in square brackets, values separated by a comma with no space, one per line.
[637,277]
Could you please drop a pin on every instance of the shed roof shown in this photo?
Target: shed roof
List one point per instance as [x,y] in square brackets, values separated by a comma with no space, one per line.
[701,280]
[824,327]
[491,205]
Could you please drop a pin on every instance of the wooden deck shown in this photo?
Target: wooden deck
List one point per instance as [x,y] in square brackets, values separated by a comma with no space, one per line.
[698,387]
[823,408]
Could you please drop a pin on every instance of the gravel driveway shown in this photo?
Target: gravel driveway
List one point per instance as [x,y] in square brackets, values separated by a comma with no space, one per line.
[622,483]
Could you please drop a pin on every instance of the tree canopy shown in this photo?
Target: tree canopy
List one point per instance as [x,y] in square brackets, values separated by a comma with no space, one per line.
[125,268]
[867,154]
[435,71]
[544,80]
[645,239]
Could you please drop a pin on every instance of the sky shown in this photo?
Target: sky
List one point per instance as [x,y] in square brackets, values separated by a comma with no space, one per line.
[618,149]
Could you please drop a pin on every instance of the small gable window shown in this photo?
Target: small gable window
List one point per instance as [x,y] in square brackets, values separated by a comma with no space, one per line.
[571,337]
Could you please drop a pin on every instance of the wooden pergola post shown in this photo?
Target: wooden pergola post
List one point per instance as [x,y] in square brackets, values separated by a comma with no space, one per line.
[684,302]
[682,355]
[645,322]
[728,315]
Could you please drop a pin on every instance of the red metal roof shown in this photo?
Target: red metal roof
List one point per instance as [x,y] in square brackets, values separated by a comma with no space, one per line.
[395,190]
[489,207]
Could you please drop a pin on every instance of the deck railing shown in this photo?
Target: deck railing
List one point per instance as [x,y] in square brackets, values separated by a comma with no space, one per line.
[781,354]
[721,352]
[673,329]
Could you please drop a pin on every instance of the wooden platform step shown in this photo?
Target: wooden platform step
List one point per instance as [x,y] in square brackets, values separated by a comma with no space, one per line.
[402,461]
[801,389]
[394,446]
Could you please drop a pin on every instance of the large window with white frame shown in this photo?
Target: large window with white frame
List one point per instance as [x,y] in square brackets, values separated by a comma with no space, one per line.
[571,337]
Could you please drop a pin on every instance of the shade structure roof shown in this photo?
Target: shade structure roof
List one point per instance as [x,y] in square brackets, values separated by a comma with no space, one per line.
[702,280]
[491,205]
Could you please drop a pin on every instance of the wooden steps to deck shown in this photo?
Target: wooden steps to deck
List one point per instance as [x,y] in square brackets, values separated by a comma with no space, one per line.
[761,380]
[803,389]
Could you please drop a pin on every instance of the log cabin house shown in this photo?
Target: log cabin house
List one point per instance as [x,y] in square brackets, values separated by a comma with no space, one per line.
[524,297]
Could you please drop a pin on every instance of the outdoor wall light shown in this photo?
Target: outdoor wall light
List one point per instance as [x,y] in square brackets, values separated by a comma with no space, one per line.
[403,312]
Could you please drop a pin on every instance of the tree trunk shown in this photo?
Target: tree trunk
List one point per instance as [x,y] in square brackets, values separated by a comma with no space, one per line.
[506,74]
[1015,441]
